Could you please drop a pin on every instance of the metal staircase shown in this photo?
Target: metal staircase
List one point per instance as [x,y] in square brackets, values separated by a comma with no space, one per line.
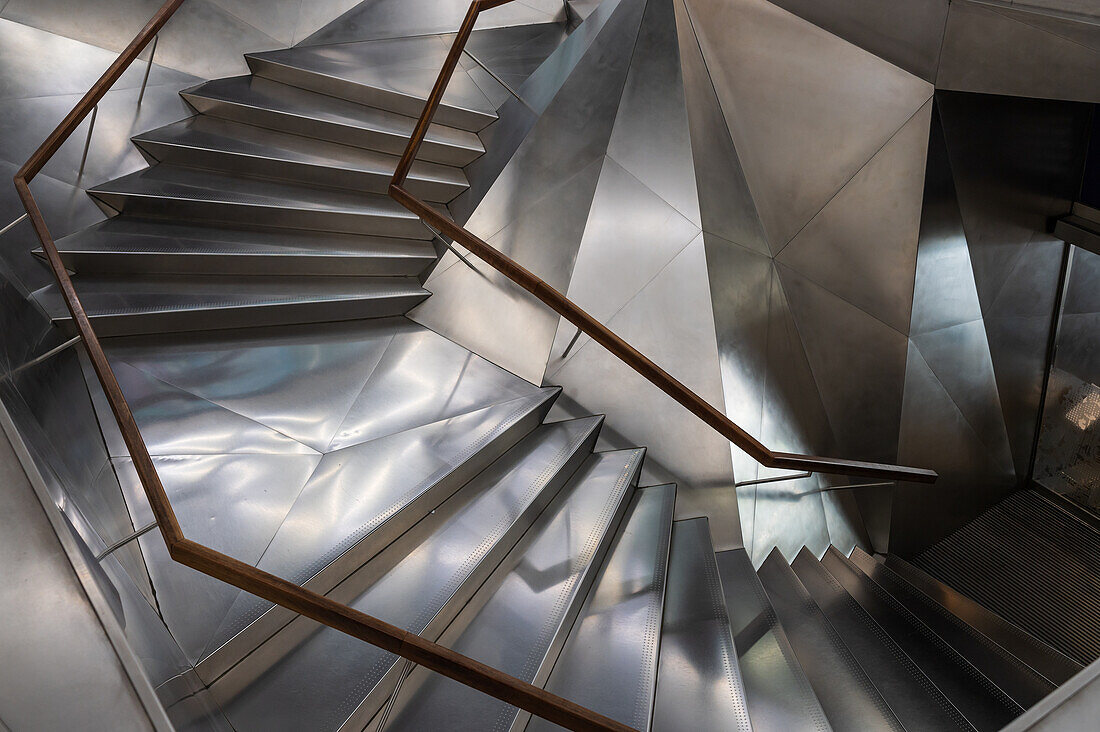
[442,496]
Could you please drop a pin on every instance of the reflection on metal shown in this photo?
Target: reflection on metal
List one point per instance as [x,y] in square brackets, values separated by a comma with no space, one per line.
[47,355]
[148,68]
[777,479]
[123,542]
[88,140]
[1064,275]
[12,225]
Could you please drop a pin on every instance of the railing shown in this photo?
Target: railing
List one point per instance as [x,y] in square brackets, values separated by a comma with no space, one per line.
[565,307]
[400,642]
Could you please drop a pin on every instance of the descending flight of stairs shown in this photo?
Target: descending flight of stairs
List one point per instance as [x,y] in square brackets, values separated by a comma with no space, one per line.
[504,534]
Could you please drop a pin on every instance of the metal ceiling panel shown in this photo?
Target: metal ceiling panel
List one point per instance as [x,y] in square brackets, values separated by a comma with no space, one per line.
[862,246]
[790,90]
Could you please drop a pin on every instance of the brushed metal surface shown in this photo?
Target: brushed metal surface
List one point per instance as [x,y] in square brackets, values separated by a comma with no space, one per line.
[340,680]
[519,620]
[609,663]
[847,694]
[779,695]
[699,682]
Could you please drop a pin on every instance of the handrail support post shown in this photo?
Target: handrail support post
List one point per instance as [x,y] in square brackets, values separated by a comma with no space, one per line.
[148,68]
[88,139]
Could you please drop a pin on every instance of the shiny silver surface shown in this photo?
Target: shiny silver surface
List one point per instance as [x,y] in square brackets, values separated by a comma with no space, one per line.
[698,679]
[777,692]
[518,622]
[609,663]
[347,680]
[254,100]
[846,693]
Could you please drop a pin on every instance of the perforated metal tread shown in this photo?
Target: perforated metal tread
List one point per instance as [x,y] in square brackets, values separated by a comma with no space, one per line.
[126,244]
[779,695]
[210,142]
[419,583]
[609,662]
[377,76]
[847,694]
[1055,666]
[984,705]
[519,620]
[916,701]
[699,684]
[1005,560]
[266,103]
[1011,675]
[152,304]
[186,193]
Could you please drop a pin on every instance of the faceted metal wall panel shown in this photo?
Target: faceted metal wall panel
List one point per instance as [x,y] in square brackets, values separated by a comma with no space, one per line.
[1000,51]
[907,33]
[862,246]
[789,91]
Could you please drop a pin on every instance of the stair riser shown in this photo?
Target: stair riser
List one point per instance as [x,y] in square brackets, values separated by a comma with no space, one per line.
[356,180]
[277,618]
[246,316]
[261,215]
[241,264]
[369,139]
[388,99]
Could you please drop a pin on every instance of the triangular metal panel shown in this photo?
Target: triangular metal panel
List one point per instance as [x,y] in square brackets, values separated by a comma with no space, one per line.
[725,203]
[862,246]
[791,91]
[651,139]
[944,291]
[959,357]
[630,236]
[669,321]
[858,363]
[907,33]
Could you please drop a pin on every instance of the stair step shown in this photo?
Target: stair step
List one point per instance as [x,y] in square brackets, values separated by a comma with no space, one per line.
[779,695]
[1056,667]
[265,103]
[699,683]
[419,584]
[363,509]
[166,191]
[1012,676]
[609,663]
[847,694]
[916,701]
[210,142]
[379,74]
[174,303]
[127,245]
[984,705]
[519,620]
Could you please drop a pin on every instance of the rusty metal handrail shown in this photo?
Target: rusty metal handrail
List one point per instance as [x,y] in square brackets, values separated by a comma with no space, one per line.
[600,333]
[409,646]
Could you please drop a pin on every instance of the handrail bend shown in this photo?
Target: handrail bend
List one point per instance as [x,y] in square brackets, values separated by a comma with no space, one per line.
[396,640]
[600,333]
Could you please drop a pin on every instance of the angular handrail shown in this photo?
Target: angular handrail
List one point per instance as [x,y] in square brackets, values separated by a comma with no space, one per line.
[409,646]
[600,333]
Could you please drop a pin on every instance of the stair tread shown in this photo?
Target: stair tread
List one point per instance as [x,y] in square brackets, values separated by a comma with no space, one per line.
[699,684]
[272,96]
[847,694]
[916,701]
[1010,674]
[779,694]
[405,68]
[237,140]
[519,620]
[609,662]
[1057,667]
[984,705]
[421,592]
[427,464]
